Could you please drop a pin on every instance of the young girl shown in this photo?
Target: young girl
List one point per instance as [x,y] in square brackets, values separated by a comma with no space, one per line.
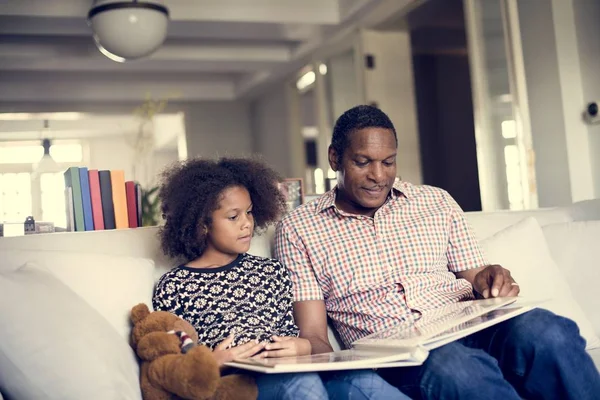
[240,304]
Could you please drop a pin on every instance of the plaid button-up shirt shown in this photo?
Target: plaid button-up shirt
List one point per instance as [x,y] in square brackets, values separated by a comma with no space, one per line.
[375,272]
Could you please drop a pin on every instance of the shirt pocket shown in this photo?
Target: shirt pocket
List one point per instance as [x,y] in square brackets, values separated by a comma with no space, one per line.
[426,245]
[346,267]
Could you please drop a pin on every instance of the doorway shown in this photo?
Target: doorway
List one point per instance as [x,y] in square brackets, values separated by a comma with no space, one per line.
[444,100]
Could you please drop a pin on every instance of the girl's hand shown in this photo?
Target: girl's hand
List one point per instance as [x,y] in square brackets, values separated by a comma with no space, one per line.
[286,346]
[224,354]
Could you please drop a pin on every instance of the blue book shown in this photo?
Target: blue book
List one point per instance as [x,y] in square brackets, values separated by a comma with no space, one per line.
[86,199]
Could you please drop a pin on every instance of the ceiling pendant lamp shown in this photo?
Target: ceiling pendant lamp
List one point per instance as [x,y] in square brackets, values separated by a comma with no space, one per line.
[46,163]
[127,30]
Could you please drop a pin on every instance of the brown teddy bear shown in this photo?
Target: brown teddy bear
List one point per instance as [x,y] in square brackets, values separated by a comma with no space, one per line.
[174,367]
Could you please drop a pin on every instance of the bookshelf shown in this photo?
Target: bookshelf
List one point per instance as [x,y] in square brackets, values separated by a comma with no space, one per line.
[101,200]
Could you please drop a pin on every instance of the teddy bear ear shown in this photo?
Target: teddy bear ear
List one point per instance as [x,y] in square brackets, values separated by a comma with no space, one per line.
[139,312]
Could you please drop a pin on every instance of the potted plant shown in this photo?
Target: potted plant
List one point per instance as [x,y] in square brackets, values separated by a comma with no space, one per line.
[150,206]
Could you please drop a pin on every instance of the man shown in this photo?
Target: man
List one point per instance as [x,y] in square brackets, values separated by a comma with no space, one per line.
[375,252]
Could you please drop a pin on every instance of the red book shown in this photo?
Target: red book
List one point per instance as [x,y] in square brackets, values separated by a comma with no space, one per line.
[131,204]
[96,198]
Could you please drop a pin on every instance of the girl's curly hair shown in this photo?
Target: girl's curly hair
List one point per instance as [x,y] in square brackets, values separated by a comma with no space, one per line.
[190,191]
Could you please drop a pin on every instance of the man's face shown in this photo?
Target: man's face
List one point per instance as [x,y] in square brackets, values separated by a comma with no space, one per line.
[366,172]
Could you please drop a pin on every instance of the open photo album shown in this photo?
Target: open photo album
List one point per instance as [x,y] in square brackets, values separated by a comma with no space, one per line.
[407,344]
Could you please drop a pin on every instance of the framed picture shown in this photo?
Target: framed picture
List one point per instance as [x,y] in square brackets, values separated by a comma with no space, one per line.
[293,191]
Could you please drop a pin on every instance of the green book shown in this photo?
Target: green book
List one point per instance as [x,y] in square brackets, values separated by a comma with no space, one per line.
[72,181]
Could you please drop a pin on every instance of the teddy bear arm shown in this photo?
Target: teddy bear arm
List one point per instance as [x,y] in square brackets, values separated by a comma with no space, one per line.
[150,391]
[156,344]
[194,375]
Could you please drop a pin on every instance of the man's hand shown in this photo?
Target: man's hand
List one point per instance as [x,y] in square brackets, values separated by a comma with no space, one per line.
[286,346]
[495,281]
[223,353]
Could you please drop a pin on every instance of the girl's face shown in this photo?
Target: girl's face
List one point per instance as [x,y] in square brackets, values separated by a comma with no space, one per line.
[232,222]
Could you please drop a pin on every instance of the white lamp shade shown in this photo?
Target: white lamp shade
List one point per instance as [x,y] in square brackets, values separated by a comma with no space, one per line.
[46,164]
[129,30]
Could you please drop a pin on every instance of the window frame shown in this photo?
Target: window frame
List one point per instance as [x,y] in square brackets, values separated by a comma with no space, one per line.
[36,188]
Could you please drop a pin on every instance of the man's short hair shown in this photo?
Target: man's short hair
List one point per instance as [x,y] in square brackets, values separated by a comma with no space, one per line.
[357,118]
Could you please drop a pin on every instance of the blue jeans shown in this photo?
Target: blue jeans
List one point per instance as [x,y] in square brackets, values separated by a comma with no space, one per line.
[352,385]
[537,355]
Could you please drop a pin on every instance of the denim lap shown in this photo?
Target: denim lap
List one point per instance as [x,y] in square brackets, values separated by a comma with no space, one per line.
[534,355]
[343,385]
[360,385]
[308,386]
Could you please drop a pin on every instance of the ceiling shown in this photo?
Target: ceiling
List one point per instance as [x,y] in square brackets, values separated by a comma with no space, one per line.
[215,50]
[167,127]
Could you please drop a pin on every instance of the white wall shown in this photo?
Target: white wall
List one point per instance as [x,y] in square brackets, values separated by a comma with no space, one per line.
[163,158]
[391,85]
[217,129]
[562,60]
[545,103]
[111,152]
[571,84]
[343,87]
[271,127]
[168,128]
[115,152]
[587,19]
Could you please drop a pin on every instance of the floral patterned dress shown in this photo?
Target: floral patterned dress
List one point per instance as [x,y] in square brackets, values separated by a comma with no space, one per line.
[250,298]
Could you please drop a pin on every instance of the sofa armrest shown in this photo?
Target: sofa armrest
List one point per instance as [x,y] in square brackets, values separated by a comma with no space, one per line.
[574,247]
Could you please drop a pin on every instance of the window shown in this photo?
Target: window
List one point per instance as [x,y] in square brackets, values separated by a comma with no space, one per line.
[509,129]
[22,193]
[512,164]
[15,199]
[23,153]
[20,154]
[513,177]
[52,187]
[69,152]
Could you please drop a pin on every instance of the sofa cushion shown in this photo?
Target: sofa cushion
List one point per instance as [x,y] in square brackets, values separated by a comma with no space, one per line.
[110,284]
[485,224]
[522,249]
[138,242]
[56,346]
[595,354]
[576,248]
[585,210]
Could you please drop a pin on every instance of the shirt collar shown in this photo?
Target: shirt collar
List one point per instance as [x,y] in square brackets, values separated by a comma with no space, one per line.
[398,188]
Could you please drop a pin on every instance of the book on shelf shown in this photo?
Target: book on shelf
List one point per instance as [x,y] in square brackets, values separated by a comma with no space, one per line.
[138,202]
[108,210]
[96,199]
[86,200]
[72,180]
[407,344]
[117,179]
[101,200]
[131,204]
[69,209]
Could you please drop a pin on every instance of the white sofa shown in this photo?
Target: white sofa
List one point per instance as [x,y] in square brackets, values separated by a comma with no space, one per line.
[64,332]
